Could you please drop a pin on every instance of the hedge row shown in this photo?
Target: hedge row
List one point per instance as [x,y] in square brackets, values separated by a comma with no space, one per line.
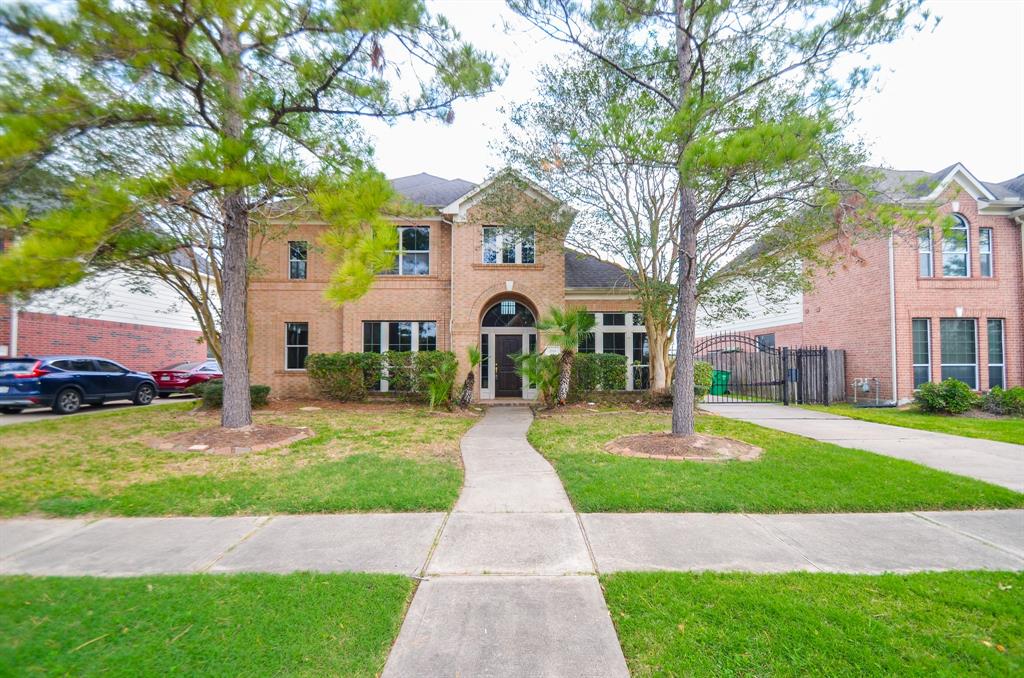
[212,393]
[352,376]
[596,372]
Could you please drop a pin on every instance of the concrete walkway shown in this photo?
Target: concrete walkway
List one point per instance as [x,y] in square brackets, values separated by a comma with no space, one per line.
[994,462]
[511,589]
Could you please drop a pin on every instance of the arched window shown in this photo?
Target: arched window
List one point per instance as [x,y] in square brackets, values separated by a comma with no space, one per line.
[508,313]
[956,250]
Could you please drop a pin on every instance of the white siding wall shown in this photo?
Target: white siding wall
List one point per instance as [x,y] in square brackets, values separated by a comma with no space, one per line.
[758,316]
[112,298]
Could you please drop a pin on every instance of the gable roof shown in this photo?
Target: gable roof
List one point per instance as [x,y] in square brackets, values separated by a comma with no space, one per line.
[432,191]
[916,185]
[586,271]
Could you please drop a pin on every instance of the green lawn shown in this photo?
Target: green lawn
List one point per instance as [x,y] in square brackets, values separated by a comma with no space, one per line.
[794,474]
[200,625]
[362,458]
[930,624]
[1007,430]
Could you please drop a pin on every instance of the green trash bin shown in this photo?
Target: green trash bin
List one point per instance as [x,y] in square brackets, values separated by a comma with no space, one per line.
[720,382]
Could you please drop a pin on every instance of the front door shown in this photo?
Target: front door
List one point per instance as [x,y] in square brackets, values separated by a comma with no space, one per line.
[507,382]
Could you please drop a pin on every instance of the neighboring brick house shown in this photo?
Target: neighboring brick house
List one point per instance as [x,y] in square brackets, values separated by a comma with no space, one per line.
[458,282]
[107,317]
[921,306]
[110,320]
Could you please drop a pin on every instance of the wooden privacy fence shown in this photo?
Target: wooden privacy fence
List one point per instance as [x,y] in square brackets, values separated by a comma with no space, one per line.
[746,371]
[816,375]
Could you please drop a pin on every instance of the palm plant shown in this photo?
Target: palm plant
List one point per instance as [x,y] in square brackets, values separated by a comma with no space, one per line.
[566,329]
[541,370]
[440,383]
[467,386]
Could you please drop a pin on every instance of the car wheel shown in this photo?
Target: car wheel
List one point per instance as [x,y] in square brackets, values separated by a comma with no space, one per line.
[11,410]
[144,394]
[164,394]
[67,401]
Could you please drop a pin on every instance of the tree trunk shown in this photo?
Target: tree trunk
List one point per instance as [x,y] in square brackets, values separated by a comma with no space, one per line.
[682,403]
[237,408]
[657,343]
[564,377]
[466,397]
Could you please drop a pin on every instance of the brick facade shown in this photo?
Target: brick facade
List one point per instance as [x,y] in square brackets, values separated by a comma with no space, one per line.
[849,308]
[138,347]
[455,294]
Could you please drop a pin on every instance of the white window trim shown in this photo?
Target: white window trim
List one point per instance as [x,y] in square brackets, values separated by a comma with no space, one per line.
[1002,345]
[400,253]
[928,332]
[977,351]
[930,251]
[385,341]
[288,346]
[629,329]
[966,251]
[305,261]
[501,233]
[991,253]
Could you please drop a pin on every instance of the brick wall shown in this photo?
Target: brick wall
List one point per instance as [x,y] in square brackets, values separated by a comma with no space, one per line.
[1001,296]
[457,306]
[139,347]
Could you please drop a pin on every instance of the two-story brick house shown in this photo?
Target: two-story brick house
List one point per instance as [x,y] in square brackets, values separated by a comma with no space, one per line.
[922,305]
[458,281]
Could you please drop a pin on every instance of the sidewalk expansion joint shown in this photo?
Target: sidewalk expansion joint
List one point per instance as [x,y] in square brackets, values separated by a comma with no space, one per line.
[969,535]
[261,522]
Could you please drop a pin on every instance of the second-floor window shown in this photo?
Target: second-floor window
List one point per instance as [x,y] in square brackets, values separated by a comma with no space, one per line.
[508,246]
[413,254]
[956,249]
[985,251]
[924,253]
[297,257]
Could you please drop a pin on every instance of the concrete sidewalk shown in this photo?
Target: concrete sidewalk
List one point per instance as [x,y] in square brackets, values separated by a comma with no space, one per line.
[994,462]
[516,544]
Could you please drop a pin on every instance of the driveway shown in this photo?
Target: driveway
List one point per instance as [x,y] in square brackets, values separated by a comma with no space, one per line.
[44,413]
[994,462]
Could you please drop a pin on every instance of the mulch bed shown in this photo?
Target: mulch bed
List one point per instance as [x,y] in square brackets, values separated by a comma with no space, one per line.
[698,447]
[217,440]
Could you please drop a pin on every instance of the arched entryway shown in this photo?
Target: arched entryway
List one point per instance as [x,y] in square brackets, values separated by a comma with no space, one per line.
[507,328]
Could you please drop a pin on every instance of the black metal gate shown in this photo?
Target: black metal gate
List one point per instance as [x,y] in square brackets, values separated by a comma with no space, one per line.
[746,371]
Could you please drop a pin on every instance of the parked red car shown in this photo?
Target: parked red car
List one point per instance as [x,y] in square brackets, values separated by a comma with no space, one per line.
[177,378]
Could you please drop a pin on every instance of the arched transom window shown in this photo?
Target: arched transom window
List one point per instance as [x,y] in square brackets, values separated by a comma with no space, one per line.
[508,313]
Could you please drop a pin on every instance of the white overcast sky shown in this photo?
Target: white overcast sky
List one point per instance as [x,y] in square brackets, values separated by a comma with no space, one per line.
[954,94]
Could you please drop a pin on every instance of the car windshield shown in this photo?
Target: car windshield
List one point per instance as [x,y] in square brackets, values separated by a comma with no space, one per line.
[182,367]
[15,364]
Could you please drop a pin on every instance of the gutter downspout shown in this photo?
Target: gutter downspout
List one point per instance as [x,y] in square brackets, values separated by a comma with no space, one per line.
[12,345]
[892,317]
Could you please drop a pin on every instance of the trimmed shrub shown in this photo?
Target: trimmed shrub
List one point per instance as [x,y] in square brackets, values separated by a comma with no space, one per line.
[344,376]
[1009,402]
[596,372]
[212,393]
[351,376]
[952,396]
[702,376]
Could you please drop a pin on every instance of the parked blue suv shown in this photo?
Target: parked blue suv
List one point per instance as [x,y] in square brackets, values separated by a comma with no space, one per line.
[64,382]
